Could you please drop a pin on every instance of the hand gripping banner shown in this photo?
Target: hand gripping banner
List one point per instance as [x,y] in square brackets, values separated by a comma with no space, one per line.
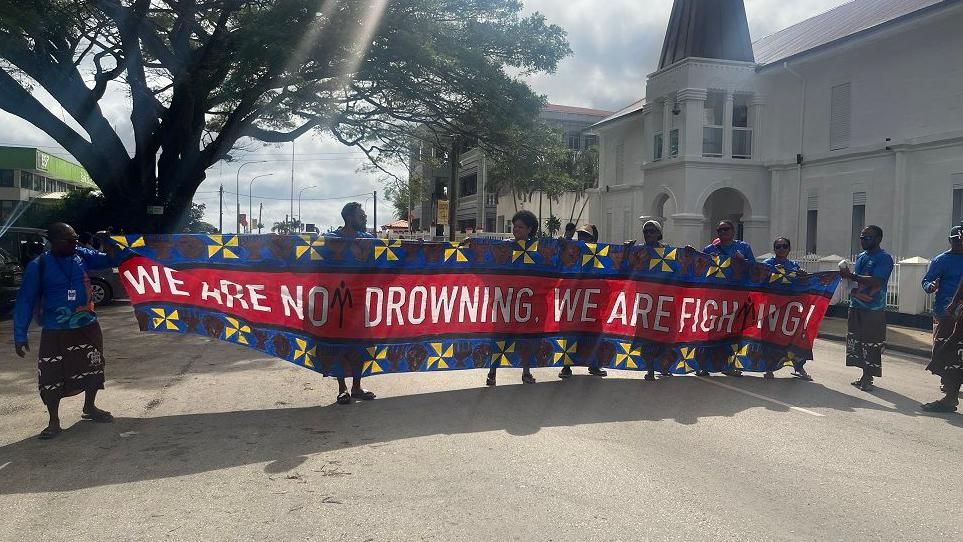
[330,304]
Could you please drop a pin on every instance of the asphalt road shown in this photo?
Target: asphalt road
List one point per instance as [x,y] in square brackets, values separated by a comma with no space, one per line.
[214,442]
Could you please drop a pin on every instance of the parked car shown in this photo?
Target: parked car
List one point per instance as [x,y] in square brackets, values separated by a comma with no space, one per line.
[25,244]
[11,275]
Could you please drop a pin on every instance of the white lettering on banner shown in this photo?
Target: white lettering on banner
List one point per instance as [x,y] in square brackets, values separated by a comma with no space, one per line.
[313,294]
[420,306]
[256,298]
[706,317]
[441,300]
[373,317]
[151,278]
[295,303]
[639,311]
[661,314]
[787,318]
[589,305]
[503,304]
[525,306]
[469,303]
[233,291]
[396,299]
[727,315]
[684,313]
[618,310]
[173,283]
[565,303]
[208,293]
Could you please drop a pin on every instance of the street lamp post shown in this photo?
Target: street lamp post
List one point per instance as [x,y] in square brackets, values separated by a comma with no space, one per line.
[250,187]
[237,194]
[301,226]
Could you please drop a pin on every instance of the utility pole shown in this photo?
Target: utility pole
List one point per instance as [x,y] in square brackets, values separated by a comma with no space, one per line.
[453,189]
[220,221]
[375,213]
[260,210]
[292,179]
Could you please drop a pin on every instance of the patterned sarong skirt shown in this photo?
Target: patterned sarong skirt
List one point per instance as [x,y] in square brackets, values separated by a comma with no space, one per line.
[71,361]
[866,340]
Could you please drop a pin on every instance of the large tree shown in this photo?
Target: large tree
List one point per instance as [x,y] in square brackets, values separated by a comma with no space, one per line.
[200,75]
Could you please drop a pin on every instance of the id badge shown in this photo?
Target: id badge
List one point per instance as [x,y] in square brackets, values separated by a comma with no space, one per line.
[71,295]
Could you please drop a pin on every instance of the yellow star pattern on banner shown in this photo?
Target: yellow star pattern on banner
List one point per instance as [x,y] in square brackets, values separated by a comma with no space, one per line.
[525,250]
[500,355]
[565,356]
[688,354]
[595,255]
[225,245]
[738,357]
[456,251]
[166,319]
[441,356]
[237,330]
[303,353]
[629,357]
[664,256]
[129,241]
[377,355]
[718,267]
[385,247]
[312,247]
[780,275]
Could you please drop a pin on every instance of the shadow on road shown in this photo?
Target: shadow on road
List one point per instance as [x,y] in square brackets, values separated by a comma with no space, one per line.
[91,455]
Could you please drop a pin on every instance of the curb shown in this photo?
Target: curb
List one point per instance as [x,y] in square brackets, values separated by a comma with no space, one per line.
[919,352]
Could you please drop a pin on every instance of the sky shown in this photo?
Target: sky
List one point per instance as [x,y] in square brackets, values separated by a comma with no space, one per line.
[615,44]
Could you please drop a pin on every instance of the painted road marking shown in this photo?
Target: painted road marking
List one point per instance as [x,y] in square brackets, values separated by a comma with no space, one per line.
[763,397]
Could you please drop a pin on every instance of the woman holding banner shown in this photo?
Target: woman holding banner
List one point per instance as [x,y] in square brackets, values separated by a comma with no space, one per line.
[781,264]
[524,229]
[652,242]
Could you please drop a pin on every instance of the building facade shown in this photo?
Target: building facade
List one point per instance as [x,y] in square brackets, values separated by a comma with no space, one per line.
[27,174]
[850,118]
[480,208]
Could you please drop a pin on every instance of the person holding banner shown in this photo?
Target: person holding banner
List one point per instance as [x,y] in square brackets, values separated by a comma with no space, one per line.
[355,227]
[71,351]
[524,228]
[726,245]
[945,278]
[588,233]
[867,307]
[781,263]
[652,239]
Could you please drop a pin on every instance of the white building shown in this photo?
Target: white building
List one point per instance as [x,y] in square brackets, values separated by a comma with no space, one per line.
[479,208]
[852,117]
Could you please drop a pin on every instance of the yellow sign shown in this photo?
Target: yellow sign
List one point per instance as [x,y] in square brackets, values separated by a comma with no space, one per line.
[442,212]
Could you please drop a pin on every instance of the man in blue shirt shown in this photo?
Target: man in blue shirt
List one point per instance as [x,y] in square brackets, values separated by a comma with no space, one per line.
[944,277]
[71,348]
[727,246]
[355,227]
[867,307]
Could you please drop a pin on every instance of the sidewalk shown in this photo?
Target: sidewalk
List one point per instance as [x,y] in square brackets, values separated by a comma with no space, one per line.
[912,341]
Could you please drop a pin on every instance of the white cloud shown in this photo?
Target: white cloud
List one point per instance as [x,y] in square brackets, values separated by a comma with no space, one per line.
[616,43]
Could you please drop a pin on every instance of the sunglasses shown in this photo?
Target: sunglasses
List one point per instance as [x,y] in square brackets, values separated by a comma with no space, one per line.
[952,237]
[780,247]
[725,228]
[866,237]
[650,231]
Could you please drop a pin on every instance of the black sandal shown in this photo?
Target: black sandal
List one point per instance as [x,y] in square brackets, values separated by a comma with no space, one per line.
[364,395]
[99,416]
[50,432]
[649,376]
[802,375]
[344,398]
[733,373]
[490,381]
[566,372]
[598,371]
[528,379]
[938,406]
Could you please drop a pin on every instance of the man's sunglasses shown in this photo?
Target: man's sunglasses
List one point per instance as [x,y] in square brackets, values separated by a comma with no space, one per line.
[722,229]
[780,247]
[866,237]
[650,231]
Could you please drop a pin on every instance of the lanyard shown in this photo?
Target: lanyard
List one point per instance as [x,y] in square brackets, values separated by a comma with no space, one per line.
[70,276]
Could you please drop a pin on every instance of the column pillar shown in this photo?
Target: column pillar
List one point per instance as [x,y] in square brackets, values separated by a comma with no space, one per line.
[756,233]
[481,212]
[912,298]
[687,229]
[727,126]
[757,109]
[693,103]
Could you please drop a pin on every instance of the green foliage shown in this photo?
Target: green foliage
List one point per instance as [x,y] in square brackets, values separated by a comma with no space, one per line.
[291,225]
[201,75]
[553,224]
[534,159]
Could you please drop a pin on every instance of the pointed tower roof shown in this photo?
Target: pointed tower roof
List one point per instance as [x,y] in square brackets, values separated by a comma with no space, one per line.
[707,29]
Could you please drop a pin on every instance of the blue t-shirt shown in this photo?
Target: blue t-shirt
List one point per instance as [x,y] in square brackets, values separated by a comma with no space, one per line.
[877,264]
[789,265]
[730,251]
[340,233]
[64,289]
[948,268]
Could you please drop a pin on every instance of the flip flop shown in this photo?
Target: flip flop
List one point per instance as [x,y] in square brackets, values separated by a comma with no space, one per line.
[364,395]
[49,433]
[344,398]
[802,376]
[768,376]
[99,416]
[565,373]
[490,381]
[528,379]
[597,371]
[937,406]
[649,377]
